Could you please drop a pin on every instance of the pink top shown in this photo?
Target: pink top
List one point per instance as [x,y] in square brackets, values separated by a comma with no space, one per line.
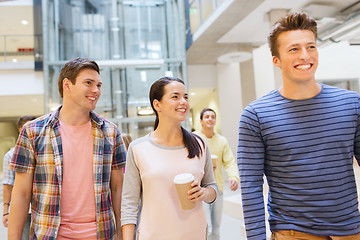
[77,202]
[150,169]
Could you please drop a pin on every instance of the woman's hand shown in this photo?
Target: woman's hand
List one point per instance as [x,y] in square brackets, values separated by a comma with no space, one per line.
[196,193]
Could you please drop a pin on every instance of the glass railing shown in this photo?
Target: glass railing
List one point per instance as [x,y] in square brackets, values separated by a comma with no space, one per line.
[17,47]
[200,10]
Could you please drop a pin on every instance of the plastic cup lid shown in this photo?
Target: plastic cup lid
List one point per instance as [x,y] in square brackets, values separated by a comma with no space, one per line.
[183,178]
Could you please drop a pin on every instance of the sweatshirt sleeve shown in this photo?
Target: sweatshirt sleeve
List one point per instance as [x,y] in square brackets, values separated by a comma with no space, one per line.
[250,157]
[208,179]
[229,162]
[131,193]
[357,134]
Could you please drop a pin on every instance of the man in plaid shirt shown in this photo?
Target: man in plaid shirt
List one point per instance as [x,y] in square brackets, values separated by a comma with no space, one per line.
[69,165]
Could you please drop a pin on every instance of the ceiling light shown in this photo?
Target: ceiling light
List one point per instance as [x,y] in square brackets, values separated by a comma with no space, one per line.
[235,57]
[144,111]
[24,22]
[169,74]
[143,76]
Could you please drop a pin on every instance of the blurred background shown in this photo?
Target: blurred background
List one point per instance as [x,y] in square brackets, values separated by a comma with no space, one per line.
[218,47]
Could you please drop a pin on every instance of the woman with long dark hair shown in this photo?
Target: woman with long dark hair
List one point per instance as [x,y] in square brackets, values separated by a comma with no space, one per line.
[152,163]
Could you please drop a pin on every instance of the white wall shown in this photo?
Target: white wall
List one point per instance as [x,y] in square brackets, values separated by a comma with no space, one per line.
[263,71]
[230,101]
[202,76]
[21,93]
[222,92]
[21,82]
[338,61]
[203,80]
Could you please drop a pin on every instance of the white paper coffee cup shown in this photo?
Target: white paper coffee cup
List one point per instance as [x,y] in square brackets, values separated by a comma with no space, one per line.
[214,159]
[183,185]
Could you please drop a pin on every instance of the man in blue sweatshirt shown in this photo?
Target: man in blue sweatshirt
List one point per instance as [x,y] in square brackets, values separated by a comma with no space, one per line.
[302,137]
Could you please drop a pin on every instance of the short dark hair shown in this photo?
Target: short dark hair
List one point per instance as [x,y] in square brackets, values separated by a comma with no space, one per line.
[24,119]
[291,22]
[206,110]
[72,68]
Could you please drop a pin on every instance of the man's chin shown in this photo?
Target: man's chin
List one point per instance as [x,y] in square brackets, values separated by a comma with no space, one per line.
[92,108]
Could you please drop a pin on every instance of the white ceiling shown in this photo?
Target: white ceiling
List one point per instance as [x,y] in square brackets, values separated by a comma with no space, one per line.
[16,28]
[242,24]
[254,19]
[255,27]
[16,2]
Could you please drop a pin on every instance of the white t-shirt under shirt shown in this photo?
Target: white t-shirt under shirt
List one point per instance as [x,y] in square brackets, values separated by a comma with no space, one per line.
[77,204]
[150,170]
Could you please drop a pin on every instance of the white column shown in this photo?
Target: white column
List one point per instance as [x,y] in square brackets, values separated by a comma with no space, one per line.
[266,77]
[230,101]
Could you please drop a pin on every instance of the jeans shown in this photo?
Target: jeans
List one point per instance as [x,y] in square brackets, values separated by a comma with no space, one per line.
[295,235]
[213,213]
[26,231]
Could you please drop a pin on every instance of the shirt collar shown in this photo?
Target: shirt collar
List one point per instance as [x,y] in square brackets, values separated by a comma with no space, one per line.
[54,118]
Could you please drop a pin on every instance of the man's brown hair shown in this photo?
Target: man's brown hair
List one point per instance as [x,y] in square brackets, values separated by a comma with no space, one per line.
[291,22]
[72,69]
[24,119]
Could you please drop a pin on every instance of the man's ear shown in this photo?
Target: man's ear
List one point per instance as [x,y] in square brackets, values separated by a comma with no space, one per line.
[276,61]
[66,84]
[156,105]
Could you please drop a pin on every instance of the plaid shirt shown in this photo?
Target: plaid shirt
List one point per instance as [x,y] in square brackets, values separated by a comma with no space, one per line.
[39,150]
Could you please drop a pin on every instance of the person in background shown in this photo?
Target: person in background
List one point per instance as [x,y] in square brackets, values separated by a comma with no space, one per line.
[152,163]
[303,137]
[69,164]
[127,139]
[224,159]
[8,181]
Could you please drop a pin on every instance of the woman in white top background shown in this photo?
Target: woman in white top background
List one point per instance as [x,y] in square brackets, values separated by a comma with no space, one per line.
[152,163]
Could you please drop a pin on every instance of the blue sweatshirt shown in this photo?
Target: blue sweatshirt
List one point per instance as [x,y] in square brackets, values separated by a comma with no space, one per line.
[305,148]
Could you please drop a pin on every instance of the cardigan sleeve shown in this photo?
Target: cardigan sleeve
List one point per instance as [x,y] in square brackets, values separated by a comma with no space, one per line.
[131,193]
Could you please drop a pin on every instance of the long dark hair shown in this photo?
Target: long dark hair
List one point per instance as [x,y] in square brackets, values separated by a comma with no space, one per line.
[190,140]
